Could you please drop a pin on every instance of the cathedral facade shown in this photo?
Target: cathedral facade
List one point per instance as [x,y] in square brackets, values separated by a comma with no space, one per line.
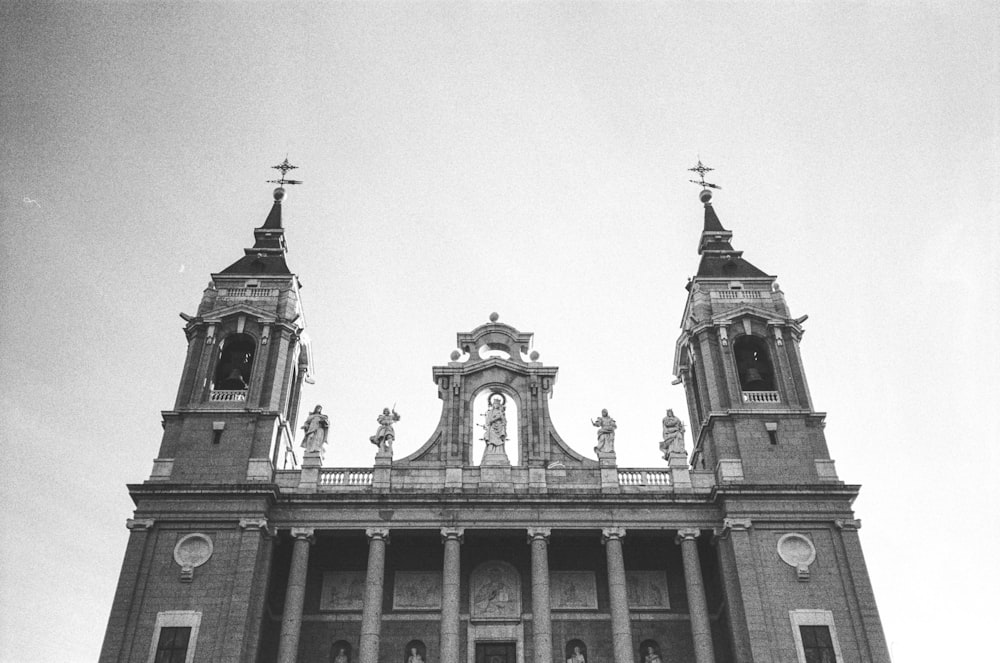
[244,546]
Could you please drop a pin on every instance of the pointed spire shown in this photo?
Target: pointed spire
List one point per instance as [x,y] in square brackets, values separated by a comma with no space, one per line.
[267,256]
[718,257]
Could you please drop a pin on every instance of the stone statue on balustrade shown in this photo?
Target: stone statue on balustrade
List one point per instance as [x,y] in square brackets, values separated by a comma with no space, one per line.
[316,426]
[496,431]
[605,433]
[386,434]
[673,436]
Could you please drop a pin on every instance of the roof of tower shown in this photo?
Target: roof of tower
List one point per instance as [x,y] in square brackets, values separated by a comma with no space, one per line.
[718,257]
[267,256]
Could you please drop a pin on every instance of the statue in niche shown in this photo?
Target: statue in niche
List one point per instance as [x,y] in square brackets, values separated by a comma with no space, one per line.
[577,656]
[385,435]
[673,435]
[605,433]
[651,656]
[316,426]
[496,427]
[414,656]
[340,654]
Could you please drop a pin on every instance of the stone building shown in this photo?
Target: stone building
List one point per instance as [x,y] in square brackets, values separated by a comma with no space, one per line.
[746,550]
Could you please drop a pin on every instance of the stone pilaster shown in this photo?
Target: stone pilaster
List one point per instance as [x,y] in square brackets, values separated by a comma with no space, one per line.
[871,624]
[538,539]
[121,610]
[371,613]
[451,577]
[295,594]
[731,585]
[252,565]
[701,630]
[621,625]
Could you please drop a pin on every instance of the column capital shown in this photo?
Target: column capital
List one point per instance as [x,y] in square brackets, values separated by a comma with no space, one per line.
[381,533]
[305,533]
[253,523]
[687,533]
[738,524]
[457,533]
[542,533]
[848,523]
[609,533]
[139,523]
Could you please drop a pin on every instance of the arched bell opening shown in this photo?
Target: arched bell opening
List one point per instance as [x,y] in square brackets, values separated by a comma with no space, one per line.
[495,427]
[234,364]
[753,364]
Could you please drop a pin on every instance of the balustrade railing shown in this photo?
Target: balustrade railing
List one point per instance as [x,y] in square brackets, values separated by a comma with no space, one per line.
[346,477]
[761,397]
[228,395]
[739,294]
[653,478]
[248,293]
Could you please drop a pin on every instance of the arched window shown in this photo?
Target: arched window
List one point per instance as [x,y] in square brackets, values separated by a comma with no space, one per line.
[753,364]
[576,651]
[416,652]
[340,652]
[232,371]
[649,652]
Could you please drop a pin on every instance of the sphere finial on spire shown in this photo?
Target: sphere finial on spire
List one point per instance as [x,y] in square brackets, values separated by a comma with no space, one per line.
[705,196]
[284,167]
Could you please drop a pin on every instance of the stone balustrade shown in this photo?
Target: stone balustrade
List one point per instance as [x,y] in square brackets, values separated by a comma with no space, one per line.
[346,477]
[228,395]
[631,477]
[761,397]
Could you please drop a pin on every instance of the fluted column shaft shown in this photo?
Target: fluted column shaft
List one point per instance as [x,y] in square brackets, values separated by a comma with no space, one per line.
[701,630]
[371,611]
[540,605]
[291,619]
[451,578]
[621,625]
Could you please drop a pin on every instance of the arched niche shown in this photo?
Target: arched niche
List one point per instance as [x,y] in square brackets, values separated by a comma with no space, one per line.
[234,363]
[753,364]
[481,426]
[415,652]
[340,652]
[576,651]
[649,652]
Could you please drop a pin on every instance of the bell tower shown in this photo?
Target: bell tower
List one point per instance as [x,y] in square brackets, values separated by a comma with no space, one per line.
[247,356]
[738,358]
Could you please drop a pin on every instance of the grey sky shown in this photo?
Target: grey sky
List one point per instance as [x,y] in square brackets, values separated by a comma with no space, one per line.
[524,158]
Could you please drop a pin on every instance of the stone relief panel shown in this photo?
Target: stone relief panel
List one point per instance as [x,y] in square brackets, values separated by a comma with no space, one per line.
[495,592]
[647,589]
[342,590]
[573,590]
[417,590]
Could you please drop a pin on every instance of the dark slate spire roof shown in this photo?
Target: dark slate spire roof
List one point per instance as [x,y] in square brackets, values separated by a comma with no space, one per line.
[718,257]
[267,257]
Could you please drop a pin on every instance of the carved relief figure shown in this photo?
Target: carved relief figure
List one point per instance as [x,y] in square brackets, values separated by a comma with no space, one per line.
[606,433]
[385,435]
[316,426]
[493,596]
[673,435]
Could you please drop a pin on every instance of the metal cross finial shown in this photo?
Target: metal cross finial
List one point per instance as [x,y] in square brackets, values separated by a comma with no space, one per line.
[284,167]
[701,169]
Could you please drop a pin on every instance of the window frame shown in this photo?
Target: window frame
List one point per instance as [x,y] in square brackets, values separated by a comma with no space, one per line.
[173,619]
[813,618]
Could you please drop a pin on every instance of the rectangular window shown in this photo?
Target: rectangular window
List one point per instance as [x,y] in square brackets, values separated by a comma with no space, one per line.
[817,645]
[173,644]
[815,636]
[175,636]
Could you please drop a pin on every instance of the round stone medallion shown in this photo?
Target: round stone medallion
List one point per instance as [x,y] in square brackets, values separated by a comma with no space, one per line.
[796,550]
[193,550]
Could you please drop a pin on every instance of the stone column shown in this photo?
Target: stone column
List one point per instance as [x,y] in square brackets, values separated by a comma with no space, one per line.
[701,630]
[295,594]
[451,578]
[538,538]
[371,613]
[621,625]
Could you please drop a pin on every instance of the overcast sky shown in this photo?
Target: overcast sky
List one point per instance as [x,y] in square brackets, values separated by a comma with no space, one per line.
[523,158]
